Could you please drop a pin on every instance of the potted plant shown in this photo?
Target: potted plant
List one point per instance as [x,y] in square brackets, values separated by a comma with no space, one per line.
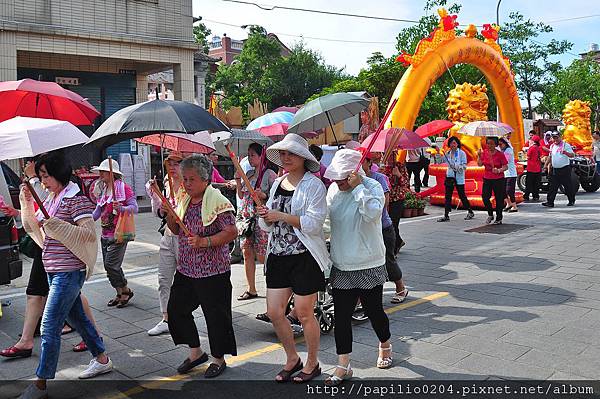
[410,209]
[420,206]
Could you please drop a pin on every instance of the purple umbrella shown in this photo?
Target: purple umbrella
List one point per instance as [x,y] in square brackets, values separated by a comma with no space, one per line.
[411,141]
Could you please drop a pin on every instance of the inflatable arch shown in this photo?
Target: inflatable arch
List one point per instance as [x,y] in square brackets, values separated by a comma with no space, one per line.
[418,79]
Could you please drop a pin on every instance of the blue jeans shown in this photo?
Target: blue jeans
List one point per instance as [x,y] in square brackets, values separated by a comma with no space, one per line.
[64,303]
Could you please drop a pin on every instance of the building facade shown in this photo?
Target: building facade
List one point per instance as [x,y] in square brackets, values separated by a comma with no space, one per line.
[102,49]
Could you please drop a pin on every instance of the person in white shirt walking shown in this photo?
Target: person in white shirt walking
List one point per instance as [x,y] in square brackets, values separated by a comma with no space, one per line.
[510,175]
[560,160]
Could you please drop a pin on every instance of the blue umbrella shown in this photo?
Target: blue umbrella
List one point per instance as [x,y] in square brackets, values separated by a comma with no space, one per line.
[270,119]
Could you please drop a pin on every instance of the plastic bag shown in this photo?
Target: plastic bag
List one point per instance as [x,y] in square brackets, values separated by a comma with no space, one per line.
[125,230]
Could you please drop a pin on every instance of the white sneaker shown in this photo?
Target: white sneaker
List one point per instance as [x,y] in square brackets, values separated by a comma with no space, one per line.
[96,368]
[161,327]
[33,392]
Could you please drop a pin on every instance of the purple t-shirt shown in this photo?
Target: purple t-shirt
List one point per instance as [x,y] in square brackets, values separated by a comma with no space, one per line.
[386,221]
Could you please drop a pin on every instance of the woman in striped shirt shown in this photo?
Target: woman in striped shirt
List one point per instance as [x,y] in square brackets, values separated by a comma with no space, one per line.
[69,250]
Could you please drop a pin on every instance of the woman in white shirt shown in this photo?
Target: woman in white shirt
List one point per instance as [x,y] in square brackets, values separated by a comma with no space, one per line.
[356,203]
[511,176]
[296,257]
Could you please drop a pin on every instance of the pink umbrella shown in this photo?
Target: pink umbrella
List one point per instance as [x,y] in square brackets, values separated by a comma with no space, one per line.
[411,141]
[293,110]
[34,99]
[383,140]
[433,128]
[278,130]
[200,142]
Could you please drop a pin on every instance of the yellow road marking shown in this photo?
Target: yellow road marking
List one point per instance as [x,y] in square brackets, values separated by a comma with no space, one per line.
[252,354]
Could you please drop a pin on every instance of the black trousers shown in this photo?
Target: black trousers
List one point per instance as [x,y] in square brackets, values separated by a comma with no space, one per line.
[498,187]
[391,265]
[560,176]
[426,175]
[533,182]
[450,183]
[395,211]
[213,294]
[414,168]
[344,302]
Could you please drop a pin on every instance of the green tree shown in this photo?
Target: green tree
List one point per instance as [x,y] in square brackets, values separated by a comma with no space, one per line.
[530,59]
[260,72]
[297,77]
[201,34]
[579,81]
[246,79]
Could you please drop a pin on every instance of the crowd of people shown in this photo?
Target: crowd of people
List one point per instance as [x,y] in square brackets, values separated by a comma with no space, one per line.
[310,225]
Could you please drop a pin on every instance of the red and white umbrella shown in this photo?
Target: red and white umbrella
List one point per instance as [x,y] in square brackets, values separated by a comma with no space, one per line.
[200,143]
[34,99]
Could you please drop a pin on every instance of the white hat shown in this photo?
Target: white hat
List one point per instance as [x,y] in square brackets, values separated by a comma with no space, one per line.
[105,168]
[343,163]
[296,145]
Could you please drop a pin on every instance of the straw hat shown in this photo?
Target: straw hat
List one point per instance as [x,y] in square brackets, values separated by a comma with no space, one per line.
[296,145]
[343,163]
[105,168]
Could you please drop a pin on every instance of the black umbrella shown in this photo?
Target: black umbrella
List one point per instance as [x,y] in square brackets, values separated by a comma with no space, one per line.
[154,117]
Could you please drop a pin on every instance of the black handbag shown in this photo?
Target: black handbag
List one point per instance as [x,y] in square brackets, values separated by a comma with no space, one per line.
[28,247]
[246,226]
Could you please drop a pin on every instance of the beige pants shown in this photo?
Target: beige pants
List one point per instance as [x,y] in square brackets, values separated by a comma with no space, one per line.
[168,254]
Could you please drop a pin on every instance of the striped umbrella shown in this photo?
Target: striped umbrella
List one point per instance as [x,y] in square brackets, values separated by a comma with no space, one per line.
[485,129]
[270,119]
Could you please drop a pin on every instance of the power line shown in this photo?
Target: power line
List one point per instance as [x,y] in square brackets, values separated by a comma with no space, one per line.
[306,37]
[274,7]
[574,18]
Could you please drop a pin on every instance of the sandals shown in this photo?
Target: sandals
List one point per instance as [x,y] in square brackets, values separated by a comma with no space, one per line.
[122,303]
[114,301]
[286,375]
[400,297]
[67,329]
[263,317]
[247,295]
[333,380]
[14,352]
[80,347]
[385,362]
[302,377]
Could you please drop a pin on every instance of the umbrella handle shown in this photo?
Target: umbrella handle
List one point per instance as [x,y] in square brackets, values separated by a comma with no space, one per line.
[170,182]
[36,197]
[379,129]
[240,172]
[170,209]
[112,178]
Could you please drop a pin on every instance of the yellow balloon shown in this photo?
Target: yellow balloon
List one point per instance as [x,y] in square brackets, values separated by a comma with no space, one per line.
[417,81]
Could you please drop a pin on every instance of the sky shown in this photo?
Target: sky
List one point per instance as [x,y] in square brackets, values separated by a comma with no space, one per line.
[290,26]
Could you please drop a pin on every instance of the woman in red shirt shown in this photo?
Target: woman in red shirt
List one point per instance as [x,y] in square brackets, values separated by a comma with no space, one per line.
[495,164]
[534,169]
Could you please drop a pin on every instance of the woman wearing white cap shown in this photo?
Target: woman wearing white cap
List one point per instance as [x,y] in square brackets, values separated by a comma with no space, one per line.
[297,259]
[356,204]
[169,246]
[108,209]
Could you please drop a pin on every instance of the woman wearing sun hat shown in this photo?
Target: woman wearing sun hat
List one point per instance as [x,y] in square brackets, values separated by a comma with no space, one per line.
[356,203]
[108,209]
[296,258]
